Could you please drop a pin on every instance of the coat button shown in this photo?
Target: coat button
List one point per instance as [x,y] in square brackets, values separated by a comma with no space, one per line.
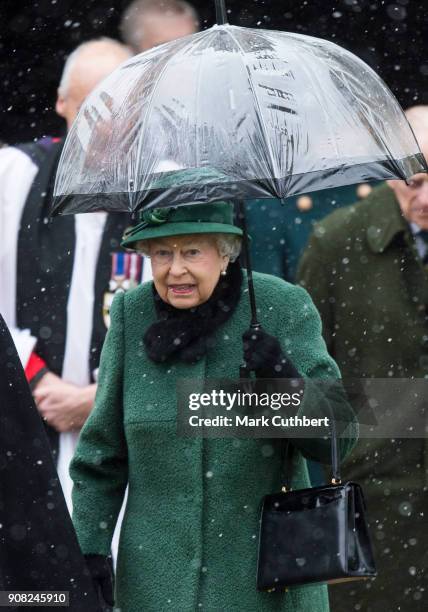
[304,203]
[364,190]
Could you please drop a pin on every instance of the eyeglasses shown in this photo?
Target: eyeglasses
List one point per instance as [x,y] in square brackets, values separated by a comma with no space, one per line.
[162,256]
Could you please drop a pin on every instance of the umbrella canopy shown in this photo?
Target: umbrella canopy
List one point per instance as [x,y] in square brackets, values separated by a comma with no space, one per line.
[261,113]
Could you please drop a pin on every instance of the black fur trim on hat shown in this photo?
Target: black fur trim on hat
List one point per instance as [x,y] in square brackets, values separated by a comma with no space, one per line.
[186,334]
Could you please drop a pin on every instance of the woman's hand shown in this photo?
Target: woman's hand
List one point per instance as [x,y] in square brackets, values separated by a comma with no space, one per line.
[100,569]
[263,355]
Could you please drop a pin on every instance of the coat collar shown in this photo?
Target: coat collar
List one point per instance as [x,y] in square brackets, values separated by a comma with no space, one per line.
[385,219]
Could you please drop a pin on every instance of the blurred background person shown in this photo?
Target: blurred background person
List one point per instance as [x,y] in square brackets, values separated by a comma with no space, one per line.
[365,267]
[149,23]
[53,273]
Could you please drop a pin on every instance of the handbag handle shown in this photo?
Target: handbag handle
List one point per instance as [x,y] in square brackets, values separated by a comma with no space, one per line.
[288,460]
[335,462]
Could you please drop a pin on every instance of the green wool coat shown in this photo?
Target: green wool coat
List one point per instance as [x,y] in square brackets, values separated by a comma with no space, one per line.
[190,532]
[364,274]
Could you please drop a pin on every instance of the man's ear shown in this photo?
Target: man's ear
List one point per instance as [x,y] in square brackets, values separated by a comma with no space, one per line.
[61,104]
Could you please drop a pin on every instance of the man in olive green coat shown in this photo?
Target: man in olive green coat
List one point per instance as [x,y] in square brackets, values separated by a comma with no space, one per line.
[364,268]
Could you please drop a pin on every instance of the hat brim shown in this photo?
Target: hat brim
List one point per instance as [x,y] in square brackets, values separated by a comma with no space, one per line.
[180,229]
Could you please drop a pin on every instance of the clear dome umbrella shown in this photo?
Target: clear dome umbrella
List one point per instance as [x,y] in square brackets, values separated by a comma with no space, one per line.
[262,113]
[232,113]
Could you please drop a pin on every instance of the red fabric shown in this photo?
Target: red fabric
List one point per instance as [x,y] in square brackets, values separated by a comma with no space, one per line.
[34,365]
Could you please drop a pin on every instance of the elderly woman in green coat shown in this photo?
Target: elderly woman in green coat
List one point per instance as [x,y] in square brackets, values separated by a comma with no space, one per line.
[189,535]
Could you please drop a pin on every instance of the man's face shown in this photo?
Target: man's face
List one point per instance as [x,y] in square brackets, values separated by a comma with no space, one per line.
[69,103]
[159,29]
[89,70]
[413,199]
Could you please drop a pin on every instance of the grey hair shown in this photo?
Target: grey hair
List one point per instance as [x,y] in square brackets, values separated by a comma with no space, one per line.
[131,22]
[74,56]
[228,245]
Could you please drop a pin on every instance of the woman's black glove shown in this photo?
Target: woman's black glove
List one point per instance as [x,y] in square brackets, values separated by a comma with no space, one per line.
[100,568]
[263,355]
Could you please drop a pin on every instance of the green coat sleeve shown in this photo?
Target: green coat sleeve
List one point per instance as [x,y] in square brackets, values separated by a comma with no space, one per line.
[99,467]
[324,394]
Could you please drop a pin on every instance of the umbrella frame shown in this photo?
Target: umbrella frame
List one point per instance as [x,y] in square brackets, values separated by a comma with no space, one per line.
[244,371]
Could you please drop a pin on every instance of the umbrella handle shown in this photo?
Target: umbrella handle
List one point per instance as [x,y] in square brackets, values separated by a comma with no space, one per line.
[247,258]
[244,370]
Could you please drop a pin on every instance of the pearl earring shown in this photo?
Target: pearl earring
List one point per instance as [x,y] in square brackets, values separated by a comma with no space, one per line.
[223,272]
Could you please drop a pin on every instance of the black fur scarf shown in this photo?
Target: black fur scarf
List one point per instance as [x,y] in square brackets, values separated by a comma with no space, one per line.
[186,334]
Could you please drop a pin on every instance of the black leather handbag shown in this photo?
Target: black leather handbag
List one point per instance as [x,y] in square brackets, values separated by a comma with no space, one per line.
[314,535]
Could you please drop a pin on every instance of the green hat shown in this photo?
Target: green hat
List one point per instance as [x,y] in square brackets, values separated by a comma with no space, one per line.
[212,218]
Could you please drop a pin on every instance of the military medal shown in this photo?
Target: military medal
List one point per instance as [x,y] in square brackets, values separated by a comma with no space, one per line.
[135,269]
[126,272]
[116,279]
